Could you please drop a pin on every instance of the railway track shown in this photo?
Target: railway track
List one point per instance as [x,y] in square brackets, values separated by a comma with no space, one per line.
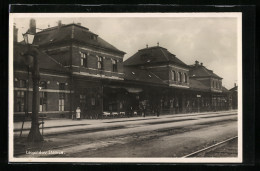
[211,148]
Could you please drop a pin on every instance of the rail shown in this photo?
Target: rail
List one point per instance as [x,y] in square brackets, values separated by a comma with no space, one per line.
[210,147]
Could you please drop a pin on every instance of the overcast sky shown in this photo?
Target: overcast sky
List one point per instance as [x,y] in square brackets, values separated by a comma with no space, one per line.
[212,41]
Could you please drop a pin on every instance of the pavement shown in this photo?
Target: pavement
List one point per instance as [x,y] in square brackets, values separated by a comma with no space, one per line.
[56,126]
[75,136]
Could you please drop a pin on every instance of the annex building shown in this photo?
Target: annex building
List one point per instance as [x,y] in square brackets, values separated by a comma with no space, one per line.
[80,69]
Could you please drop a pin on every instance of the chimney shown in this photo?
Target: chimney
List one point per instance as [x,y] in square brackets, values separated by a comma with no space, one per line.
[32,28]
[201,64]
[235,85]
[196,63]
[15,34]
[146,45]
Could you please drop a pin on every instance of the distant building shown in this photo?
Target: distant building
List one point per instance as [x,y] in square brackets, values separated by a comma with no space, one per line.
[234,93]
[177,87]
[80,69]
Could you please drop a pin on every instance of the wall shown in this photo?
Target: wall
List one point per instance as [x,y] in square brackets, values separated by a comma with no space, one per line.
[52,91]
[92,58]
[177,70]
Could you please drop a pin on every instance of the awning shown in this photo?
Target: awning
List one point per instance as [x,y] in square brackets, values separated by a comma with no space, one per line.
[129,89]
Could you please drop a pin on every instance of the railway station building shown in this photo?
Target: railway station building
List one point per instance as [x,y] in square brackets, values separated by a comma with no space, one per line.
[80,69]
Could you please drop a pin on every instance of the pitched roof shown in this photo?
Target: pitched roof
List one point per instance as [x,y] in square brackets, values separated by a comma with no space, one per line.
[233,89]
[153,55]
[72,32]
[201,71]
[45,61]
[225,90]
[197,85]
[140,75]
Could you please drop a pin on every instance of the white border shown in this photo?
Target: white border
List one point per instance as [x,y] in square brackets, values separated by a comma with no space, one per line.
[128,15]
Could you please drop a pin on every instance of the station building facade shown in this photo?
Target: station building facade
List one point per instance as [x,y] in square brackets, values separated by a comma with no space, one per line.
[80,69]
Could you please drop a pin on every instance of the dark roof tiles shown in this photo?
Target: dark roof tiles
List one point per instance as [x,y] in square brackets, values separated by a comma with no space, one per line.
[202,71]
[197,85]
[151,55]
[72,32]
[45,61]
[140,75]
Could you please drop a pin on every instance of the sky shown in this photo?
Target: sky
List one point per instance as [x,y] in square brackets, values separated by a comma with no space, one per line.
[212,41]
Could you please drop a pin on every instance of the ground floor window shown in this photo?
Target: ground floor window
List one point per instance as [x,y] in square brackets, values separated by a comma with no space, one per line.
[93,101]
[20,100]
[61,101]
[43,101]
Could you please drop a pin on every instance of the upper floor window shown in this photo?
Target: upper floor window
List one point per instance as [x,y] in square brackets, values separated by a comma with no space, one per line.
[179,77]
[185,78]
[83,59]
[173,75]
[93,37]
[114,63]
[43,84]
[100,62]
[61,86]
[22,84]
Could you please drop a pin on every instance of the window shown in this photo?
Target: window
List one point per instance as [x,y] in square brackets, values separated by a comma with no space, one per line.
[93,37]
[179,77]
[82,100]
[61,86]
[61,97]
[22,84]
[43,84]
[114,63]
[93,101]
[173,75]
[61,101]
[20,99]
[83,59]
[185,78]
[43,101]
[100,62]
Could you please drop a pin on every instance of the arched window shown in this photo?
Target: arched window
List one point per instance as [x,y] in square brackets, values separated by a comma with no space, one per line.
[185,78]
[179,77]
[43,84]
[173,75]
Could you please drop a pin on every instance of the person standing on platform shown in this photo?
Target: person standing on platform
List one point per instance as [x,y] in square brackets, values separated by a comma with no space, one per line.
[158,110]
[144,110]
[78,113]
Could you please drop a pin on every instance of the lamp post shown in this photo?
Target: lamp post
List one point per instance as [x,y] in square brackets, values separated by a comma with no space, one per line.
[31,56]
